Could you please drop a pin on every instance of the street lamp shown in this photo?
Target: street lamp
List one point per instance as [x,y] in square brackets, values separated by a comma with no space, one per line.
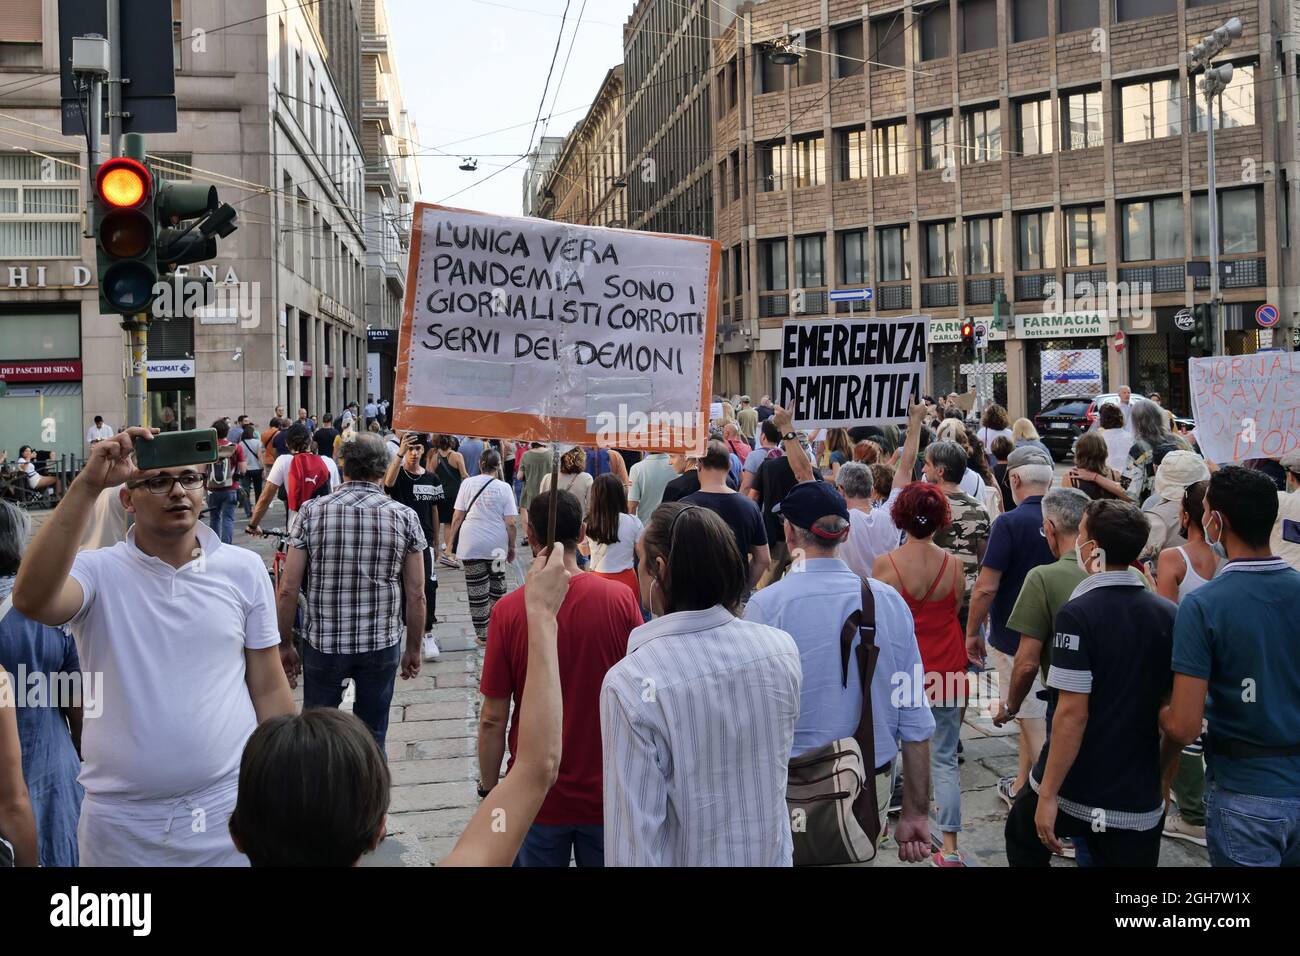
[1213,82]
[784,51]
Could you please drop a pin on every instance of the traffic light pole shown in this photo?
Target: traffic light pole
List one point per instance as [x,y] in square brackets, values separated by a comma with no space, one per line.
[114,79]
[136,326]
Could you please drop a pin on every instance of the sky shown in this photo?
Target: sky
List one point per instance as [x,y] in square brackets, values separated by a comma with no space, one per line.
[471,67]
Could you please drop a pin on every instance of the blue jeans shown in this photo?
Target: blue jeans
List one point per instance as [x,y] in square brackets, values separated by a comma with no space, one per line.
[552,845]
[944,775]
[1245,830]
[222,518]
[372,673]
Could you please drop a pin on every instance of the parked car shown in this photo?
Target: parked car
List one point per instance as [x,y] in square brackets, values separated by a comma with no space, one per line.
[1062,420]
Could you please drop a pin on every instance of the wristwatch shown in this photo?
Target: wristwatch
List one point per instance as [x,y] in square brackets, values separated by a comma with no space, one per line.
[789,436]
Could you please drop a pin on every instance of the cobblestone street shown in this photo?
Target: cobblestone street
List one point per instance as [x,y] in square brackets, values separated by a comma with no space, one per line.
[432,737]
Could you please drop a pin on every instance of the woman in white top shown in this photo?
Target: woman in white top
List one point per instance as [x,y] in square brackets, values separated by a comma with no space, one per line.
[995,424]
[483,528]
[611,533]
[1110,422]
[573,476]
[35,480]
[1184,568]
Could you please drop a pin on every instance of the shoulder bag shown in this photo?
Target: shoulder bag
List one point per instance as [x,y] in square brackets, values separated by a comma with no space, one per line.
[455,542]
[831,791]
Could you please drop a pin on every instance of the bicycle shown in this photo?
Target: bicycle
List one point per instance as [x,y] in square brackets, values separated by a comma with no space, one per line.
[276,571]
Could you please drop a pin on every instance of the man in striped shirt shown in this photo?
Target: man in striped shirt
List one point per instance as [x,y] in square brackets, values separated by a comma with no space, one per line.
[697,722]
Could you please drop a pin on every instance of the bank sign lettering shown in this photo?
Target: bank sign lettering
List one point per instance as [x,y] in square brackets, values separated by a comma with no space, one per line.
[1061,325]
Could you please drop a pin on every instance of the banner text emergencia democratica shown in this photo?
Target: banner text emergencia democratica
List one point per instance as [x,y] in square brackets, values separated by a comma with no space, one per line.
[851,371]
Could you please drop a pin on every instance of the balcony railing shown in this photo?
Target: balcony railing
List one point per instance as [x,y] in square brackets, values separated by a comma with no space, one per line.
[897,296]
[1170,277]
[1238,274]
[811,302]
[377,111]
[771,304]
[983,291]
[938,294]
[1033,286]
[1092,277]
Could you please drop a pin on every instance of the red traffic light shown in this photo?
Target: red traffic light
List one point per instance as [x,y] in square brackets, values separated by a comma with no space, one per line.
[123,183]
[968,330]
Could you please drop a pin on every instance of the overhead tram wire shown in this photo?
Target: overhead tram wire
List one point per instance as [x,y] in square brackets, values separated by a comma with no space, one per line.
[540,106]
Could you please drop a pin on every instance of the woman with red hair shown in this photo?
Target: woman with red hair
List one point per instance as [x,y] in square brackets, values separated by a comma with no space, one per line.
[921,567]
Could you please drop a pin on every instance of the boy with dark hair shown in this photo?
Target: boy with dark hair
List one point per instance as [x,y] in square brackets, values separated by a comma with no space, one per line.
[1235,645]
[1098,778]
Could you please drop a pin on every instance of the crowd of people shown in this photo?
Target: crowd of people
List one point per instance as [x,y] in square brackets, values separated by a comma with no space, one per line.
[758,653]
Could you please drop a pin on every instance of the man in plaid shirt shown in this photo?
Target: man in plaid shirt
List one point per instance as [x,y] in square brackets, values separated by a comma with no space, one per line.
[351,546]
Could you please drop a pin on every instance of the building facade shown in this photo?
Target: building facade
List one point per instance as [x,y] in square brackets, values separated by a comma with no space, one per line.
[944,155]
[260,115]
[667,63]
[390,142]
[536,170]
[586,183]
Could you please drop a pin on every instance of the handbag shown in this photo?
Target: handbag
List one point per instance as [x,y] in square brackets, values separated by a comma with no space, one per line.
[455,541]
[831,791]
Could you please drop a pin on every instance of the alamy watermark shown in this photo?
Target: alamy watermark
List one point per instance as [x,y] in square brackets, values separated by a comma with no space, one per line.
[61,690]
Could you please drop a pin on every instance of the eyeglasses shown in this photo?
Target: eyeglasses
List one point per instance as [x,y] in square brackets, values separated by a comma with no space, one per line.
[162,484]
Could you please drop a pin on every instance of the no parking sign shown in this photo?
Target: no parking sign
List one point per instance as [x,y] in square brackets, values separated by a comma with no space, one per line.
[1267,315]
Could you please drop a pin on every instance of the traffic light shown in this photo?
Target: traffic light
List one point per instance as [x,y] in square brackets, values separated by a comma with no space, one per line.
[177,244]
[127,266]
[1201,340]
[968,334]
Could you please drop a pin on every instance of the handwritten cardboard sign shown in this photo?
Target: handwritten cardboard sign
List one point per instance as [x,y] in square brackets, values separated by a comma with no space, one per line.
[1246,406]
[845,372]
[540,330]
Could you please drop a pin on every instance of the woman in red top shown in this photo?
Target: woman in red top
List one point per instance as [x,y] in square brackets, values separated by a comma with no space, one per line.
[932,583]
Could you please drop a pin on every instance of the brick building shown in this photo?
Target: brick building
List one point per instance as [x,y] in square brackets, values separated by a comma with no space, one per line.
[944,154]
[666,58]
[585,183]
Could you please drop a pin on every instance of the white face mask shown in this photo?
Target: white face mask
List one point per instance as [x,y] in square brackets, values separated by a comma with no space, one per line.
[1078,556]
[1217,545]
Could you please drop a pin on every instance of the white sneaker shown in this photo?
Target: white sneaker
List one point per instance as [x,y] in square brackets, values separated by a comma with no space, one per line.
[431,649]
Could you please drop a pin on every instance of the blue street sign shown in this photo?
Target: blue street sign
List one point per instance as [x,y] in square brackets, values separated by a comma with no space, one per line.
[1266,315]
[850,295]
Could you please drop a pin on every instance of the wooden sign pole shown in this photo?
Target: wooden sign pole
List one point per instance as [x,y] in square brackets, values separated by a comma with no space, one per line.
[555,497]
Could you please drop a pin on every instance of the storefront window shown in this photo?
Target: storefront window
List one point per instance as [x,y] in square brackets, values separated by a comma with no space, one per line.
[40,404]
[172,409]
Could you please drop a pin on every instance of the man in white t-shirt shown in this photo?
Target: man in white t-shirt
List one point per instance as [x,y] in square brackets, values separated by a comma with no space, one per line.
[298,442]
[98,431]
[180,631]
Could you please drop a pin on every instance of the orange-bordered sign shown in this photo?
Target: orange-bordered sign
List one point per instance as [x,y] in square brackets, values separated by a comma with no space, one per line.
[537,330]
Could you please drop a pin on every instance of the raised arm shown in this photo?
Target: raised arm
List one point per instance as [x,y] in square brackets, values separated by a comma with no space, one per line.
[799,461]
[911,446]
[45,590]
[497,829]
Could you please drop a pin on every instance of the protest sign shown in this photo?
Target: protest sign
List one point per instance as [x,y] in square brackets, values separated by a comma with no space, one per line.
[844,372]
[1246,406]
[542,330]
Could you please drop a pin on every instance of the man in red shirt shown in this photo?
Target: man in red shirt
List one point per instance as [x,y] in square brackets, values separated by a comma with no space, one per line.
[594,623]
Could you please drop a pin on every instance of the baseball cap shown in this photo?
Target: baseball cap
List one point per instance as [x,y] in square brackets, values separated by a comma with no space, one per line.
[1028,455]
[808,501]
[1291,461]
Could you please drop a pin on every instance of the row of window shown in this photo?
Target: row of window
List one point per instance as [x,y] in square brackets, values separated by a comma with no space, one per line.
[1149,109]
[1150,229]
[887,36]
